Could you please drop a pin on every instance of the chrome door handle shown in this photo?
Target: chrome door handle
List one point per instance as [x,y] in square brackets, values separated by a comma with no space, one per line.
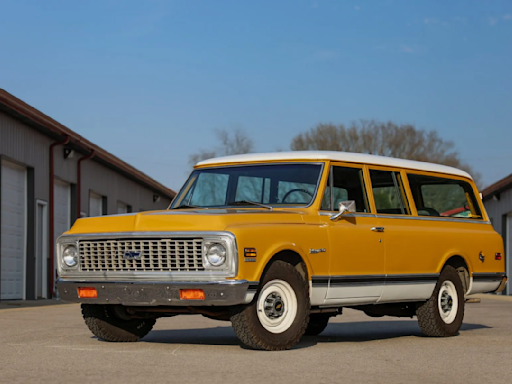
[378,229]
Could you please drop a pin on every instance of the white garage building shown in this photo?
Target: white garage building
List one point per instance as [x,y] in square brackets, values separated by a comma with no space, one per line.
[498,203]
[49,176]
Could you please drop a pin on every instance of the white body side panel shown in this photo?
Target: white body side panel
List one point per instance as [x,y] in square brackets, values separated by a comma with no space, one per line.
[370,293]
[484,286]
[407,292]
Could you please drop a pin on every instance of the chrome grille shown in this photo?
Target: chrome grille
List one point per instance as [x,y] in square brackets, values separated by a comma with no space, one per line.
[151,255]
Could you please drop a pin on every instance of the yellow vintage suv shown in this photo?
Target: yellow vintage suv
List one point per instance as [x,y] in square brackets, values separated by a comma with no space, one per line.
[278,243]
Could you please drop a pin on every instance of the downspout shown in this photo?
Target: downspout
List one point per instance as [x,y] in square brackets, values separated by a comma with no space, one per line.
[51,208]
[79,182]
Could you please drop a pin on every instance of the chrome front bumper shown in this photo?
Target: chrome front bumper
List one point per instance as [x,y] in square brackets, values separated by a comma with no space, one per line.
[218,293]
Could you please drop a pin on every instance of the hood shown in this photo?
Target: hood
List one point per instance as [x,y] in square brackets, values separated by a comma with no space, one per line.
[182,220]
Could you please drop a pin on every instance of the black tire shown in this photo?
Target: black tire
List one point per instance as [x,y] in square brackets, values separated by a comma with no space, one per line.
[104,324]
[429,313]
[317,324]
[247,325]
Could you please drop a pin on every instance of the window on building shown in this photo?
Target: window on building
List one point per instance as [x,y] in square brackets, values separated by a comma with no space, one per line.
[388,193]
[96,204]
[443,197]
[348,184]
[123,208]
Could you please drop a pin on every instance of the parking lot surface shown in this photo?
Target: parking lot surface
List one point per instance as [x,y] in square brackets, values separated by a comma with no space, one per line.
[52,344]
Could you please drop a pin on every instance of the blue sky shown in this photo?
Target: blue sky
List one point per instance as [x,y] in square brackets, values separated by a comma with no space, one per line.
[151,80]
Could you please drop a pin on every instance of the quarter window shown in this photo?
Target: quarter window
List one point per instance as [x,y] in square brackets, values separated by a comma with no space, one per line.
[388,193]
[436,196]
[348,185]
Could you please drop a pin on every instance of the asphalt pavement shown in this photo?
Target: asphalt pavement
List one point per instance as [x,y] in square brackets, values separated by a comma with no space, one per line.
[52,344]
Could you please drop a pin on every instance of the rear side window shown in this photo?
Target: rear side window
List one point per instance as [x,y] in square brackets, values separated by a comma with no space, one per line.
[388,193]
[440,197]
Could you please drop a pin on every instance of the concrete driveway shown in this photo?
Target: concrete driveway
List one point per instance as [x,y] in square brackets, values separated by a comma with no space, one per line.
[52,344]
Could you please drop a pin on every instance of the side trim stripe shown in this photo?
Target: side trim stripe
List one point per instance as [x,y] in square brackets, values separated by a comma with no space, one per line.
[356,280]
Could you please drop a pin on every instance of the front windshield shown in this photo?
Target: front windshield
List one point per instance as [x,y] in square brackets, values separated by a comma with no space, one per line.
[271,184]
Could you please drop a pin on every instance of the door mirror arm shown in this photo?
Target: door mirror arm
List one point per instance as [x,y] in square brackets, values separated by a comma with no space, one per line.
[348,206]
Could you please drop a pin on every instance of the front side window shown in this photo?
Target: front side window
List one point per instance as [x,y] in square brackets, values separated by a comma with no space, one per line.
[348,184]
[271,184]
[388,193]
[441,197]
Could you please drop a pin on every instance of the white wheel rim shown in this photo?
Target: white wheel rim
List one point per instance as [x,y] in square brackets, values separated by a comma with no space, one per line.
[277,306]
[448,302]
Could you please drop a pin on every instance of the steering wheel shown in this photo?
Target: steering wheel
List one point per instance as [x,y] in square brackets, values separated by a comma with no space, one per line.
[431,211]
[295,190]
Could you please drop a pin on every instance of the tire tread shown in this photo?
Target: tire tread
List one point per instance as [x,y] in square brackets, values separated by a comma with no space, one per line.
[245,327]
[109,328]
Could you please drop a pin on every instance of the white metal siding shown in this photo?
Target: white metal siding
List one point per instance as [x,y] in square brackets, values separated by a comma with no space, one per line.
[13,229]
[62,205]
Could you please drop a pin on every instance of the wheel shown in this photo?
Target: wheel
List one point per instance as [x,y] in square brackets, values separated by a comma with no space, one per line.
[442,314]
[278,317]
[106,325]
[317,324]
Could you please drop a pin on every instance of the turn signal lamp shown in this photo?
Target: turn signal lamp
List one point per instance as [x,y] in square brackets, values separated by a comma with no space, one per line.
[87,293]
[497,256]
[250,252]
[192,294]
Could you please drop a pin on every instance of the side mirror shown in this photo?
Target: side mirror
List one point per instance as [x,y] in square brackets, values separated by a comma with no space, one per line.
[347,206]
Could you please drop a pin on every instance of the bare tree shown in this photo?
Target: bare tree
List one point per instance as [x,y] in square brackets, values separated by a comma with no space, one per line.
[385,139]
[230,143]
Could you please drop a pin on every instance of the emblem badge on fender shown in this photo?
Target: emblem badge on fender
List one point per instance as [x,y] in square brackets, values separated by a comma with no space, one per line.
[318,250]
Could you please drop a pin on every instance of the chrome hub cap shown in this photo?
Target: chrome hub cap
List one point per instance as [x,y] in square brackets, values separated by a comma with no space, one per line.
[274,306]
[448,302]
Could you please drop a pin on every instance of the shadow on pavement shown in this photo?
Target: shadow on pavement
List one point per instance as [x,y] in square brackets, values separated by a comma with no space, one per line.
[335,333]
[208,336]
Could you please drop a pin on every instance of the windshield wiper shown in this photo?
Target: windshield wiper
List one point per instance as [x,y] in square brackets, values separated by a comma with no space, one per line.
[185,206]
[247,202]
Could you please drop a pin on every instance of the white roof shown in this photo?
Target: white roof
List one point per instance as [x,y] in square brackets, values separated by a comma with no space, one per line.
[337,156]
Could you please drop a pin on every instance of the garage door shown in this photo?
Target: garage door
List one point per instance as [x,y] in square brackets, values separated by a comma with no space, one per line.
[13,249]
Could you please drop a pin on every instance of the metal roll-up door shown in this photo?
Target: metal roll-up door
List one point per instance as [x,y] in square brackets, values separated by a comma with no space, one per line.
[13,230]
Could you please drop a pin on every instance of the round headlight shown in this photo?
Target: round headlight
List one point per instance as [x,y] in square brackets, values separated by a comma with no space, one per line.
[70,256]
[216,255]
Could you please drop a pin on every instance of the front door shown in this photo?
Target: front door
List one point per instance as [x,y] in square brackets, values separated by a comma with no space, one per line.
[356,247]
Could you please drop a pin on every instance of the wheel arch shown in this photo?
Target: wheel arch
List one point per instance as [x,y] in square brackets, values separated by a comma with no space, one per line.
[458,262]
[291,256]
